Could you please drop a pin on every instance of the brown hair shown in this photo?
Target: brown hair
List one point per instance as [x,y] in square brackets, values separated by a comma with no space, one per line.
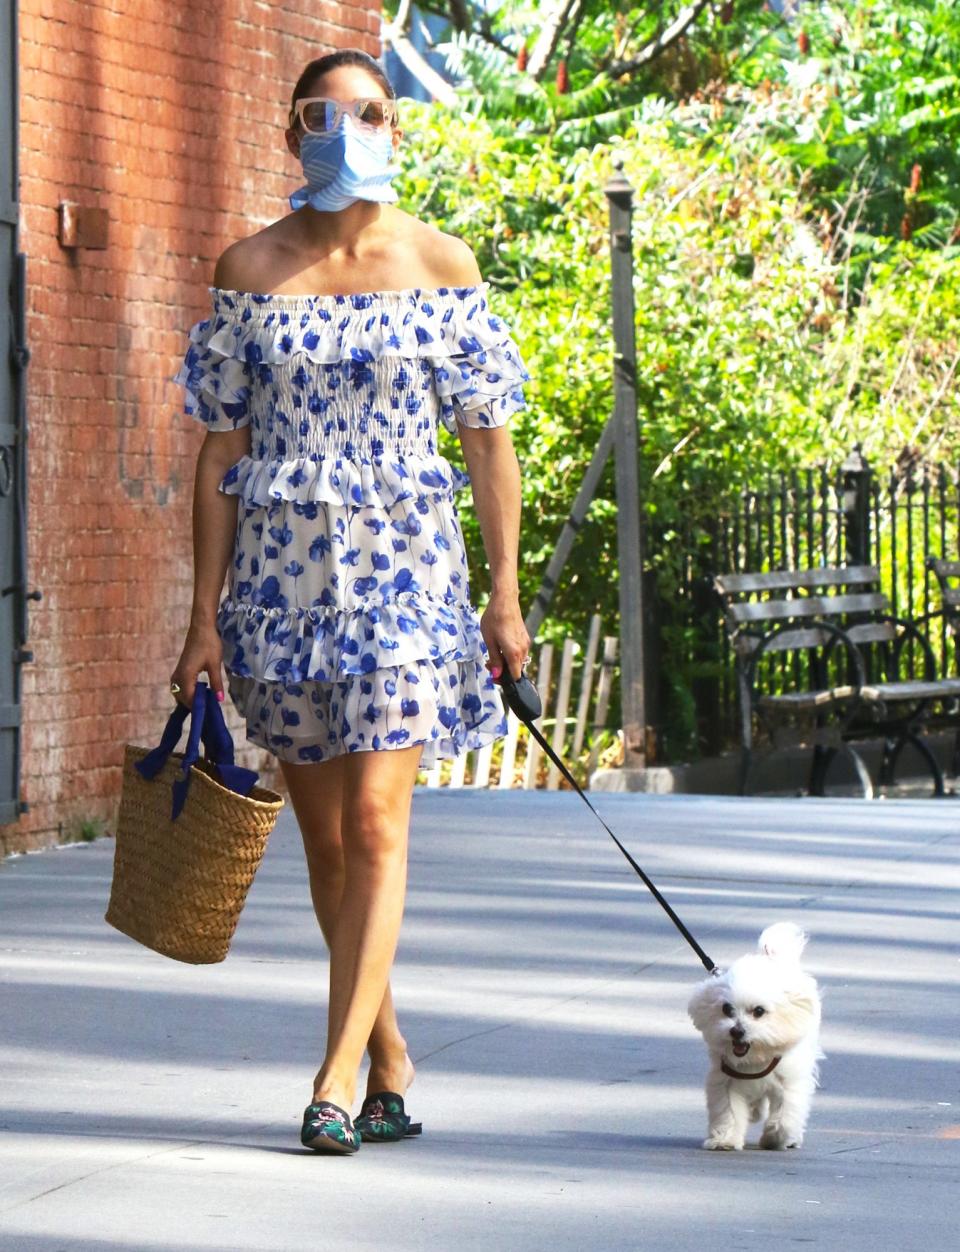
[344,56]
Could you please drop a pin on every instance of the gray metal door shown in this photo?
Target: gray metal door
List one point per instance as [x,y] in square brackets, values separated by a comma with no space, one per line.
[13,568]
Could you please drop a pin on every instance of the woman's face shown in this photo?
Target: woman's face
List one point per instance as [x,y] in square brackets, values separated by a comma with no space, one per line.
[344,84]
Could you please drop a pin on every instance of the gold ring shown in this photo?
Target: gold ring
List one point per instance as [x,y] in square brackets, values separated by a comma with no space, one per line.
[175,689]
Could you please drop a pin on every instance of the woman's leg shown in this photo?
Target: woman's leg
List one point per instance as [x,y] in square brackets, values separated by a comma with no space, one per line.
[378,788]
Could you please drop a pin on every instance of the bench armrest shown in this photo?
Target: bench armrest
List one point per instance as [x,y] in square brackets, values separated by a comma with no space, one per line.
[837,636]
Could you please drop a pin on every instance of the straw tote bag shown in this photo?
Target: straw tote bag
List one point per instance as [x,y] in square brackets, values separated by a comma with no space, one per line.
[190,836]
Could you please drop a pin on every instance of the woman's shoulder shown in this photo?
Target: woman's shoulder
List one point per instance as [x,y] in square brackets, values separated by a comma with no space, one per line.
[433,258]
[244,265]
[448,259]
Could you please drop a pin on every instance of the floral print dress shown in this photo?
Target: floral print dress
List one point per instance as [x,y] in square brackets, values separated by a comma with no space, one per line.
[347,623]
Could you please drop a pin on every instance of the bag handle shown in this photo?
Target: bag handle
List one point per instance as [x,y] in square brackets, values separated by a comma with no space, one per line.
[206,726]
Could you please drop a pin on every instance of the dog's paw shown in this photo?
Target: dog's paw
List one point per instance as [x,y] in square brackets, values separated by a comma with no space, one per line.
[722,1143]
[777,1139]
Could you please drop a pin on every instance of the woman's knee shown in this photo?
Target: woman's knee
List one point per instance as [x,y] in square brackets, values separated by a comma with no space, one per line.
[374,829]
[323,846]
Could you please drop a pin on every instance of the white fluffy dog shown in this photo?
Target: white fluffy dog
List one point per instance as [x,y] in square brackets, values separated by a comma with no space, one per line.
[760,1020]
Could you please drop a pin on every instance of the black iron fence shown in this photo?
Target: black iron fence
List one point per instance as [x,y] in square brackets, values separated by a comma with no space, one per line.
[845,515]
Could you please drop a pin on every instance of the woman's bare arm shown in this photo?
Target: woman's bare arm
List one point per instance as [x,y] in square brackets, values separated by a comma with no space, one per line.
[214,529]
[495,476]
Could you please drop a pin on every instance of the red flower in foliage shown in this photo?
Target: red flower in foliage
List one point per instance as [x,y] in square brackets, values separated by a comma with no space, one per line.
[563,79]
[906,226]
[522,58]
[915,179]
[803,43]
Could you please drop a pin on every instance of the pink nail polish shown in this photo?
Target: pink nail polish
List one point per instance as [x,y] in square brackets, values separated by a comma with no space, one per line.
[496,671]
[220,696]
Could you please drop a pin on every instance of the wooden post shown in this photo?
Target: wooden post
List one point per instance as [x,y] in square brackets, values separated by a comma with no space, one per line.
[560,720]
[531,764]
[458,770]
[508,760]
[586,685]
[604,683]
[481,777]
[619,193]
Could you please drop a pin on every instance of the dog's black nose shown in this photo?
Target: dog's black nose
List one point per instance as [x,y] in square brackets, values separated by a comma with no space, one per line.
[737,1033]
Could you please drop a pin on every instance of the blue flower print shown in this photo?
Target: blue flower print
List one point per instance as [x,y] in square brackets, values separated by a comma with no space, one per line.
[319,547]
[347,623]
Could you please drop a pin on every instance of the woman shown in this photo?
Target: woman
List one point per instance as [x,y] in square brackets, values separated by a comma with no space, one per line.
[339,335]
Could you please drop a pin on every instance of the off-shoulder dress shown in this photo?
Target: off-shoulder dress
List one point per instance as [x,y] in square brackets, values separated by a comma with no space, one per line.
[347,621]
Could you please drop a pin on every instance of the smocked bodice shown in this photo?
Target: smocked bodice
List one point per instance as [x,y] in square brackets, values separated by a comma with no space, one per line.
[343,394]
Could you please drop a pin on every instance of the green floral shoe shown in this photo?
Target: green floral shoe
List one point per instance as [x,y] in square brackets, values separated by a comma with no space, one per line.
[383,1120]
[327,1128]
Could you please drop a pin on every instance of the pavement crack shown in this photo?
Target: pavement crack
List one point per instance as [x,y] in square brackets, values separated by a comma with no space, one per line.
[92,1173]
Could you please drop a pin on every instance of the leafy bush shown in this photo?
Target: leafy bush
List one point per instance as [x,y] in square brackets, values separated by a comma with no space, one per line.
[796,285]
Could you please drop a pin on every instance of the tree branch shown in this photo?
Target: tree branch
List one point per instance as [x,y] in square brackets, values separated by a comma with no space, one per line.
[552,26]
[676,30]
[394,34]
[460,15]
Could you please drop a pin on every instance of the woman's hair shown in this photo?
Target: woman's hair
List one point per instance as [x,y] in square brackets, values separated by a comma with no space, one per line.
[345,56]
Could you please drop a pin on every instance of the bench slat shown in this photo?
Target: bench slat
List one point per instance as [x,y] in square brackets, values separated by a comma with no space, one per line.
[808,606]
[772,580]
[945,569]
[892,692]
[816,637]
[800,700]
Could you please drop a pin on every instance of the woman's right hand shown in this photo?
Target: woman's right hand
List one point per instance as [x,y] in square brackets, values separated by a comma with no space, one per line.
[202,652]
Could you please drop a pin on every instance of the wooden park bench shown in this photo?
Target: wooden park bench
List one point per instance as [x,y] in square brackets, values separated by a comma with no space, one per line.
[822,663]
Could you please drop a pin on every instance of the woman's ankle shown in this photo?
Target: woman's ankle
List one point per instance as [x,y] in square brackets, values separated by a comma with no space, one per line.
[390,1073]
[334,1089]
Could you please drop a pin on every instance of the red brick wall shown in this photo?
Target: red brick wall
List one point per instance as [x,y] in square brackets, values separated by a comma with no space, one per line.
[171,117]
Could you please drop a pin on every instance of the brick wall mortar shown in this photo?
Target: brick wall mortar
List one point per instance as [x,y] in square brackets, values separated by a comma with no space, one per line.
[118,100]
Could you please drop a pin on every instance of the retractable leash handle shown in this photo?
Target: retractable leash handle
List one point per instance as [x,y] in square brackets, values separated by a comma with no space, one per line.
[523,698]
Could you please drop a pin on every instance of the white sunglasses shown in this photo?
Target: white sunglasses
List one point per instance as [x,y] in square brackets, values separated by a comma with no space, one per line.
[319,115]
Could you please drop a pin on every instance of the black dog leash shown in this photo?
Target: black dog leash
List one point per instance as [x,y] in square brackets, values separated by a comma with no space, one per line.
[522,697]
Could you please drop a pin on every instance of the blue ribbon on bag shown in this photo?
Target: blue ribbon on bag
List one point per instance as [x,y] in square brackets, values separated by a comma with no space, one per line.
[207,727]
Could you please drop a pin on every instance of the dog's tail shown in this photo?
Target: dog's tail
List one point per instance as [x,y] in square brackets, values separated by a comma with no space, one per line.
[783,941]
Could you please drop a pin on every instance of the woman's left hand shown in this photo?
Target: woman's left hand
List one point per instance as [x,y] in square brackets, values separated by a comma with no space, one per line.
[505,635]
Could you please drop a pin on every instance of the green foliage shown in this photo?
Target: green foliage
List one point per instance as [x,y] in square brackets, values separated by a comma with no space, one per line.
[83,830]
[882,95]
[727,283]
[781,316]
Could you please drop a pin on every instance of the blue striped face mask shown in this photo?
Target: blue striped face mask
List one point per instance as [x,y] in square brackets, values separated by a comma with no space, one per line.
[351,163]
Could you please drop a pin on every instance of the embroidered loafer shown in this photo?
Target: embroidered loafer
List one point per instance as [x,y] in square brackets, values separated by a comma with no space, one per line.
[328,1128]
[382,1119]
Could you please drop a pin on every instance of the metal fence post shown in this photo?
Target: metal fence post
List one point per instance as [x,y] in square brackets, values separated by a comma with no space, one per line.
[619,194]
[856,507]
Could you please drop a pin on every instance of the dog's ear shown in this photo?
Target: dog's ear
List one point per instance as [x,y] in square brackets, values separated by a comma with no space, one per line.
[703,1003]
[782,941]
[804,1003]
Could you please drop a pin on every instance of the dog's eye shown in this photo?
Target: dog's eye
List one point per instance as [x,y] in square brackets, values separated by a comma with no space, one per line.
[759,1011]
[728,1010]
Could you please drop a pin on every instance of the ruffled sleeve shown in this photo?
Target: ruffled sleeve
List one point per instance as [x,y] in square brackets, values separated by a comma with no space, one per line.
[216,383]
[481,383]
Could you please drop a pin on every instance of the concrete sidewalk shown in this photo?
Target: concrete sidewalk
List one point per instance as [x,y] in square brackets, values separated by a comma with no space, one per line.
[149,1105]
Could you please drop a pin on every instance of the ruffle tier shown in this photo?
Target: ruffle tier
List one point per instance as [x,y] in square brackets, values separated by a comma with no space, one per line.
[328,643]
[360,481]
[448,706]
[478,368]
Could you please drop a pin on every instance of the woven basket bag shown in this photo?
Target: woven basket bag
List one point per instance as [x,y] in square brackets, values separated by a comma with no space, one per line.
[187,844]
